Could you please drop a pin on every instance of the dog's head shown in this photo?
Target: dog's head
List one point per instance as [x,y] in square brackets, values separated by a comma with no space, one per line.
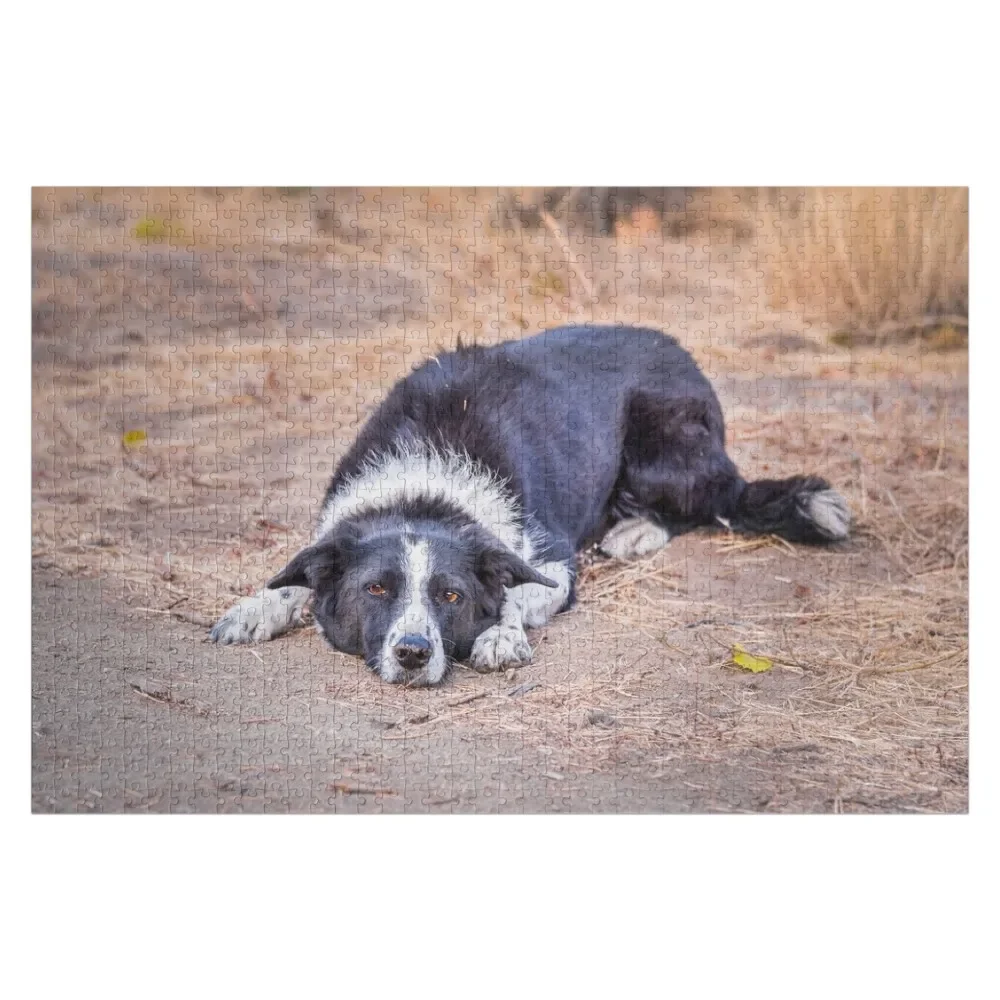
[407,597]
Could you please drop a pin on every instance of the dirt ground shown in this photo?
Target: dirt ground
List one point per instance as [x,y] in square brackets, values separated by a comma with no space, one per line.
[201,360]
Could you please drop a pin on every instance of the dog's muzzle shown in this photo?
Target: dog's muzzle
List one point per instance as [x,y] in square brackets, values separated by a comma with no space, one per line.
[412,652]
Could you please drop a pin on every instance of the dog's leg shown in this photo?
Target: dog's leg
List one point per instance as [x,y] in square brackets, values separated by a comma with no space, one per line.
[634,537]
[261,617]
[506,643]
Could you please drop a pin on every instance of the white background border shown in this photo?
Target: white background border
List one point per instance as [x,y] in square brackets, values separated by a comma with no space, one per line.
[747,94]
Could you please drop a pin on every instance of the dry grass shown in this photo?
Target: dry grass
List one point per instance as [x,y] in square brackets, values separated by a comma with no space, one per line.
[251,337]
[863,264]
[878,262]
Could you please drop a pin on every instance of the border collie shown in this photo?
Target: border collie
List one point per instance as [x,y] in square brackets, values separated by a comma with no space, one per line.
[453,522]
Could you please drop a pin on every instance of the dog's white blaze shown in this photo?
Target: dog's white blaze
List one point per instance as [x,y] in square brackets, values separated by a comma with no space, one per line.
[420,470]
[417,617]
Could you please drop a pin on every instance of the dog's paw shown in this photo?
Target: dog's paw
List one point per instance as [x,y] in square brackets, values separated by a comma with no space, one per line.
[261,617]
[829,513]
[500,646]
[634,537]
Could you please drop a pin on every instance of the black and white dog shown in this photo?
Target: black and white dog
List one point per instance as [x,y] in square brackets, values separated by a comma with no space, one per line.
[453,522]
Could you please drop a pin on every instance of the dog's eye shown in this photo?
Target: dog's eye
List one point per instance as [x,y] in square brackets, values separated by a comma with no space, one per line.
[376,589]
[451,597]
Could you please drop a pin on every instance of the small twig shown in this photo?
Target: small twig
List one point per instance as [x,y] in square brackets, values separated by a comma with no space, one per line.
[467,699]
[909,527]
[166,699]
[552,226]
[944,423]
[412,720]
[160,697]
[345,789]
[869,671]
[184,616]
[523,688]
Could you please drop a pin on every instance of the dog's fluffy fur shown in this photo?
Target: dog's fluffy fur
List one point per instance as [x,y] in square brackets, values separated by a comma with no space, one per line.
[453,522]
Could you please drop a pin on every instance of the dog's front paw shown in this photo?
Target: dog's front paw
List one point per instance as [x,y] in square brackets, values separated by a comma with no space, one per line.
[261,617]
[500,646]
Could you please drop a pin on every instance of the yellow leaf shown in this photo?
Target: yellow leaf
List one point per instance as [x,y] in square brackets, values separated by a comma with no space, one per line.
[131,438]
[747,661]
[151,228]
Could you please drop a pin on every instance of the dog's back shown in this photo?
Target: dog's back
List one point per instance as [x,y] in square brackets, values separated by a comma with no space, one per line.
[549,415]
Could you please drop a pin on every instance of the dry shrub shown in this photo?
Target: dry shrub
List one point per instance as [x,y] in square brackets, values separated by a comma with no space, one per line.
[869,264]
[882,262]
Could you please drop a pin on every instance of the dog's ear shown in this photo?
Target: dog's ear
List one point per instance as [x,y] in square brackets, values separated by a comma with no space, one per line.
[500,565]
[312,567]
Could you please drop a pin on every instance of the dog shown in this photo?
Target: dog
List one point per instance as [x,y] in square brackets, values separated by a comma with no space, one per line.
[453,523]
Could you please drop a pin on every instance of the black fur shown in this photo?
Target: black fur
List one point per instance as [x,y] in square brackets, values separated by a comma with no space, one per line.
[588,424]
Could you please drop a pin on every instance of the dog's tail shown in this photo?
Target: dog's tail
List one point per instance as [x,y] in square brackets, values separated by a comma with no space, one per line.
[801,509]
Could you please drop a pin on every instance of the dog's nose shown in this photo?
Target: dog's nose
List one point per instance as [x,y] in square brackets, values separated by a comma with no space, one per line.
[412,651]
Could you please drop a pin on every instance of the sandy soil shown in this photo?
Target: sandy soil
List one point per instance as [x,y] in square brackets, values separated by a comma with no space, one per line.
[192,395]
[135,711]
[164,722]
